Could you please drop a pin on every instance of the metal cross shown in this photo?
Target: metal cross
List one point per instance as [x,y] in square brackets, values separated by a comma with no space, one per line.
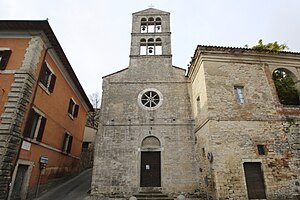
[151,6]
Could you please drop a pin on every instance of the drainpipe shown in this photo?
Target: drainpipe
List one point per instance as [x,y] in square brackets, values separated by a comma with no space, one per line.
[27,116]
[38,81]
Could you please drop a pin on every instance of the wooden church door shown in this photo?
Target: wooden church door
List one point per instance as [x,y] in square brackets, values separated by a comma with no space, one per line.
[150,169]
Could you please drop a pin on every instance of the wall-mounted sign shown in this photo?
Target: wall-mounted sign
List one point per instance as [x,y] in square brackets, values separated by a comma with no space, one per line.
[210,156]
[26,145]
[147,167]
[43,162]
[44,159]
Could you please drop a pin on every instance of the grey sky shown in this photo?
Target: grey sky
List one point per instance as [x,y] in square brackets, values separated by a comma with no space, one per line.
[95,34]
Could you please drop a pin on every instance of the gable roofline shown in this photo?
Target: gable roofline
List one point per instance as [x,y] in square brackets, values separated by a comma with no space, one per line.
[114,73]
[43,25]
[178,68]
[151,11]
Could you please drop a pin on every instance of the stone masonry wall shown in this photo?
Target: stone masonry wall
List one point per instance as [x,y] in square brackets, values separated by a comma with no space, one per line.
[221,77]
[117,165]
[13,116]
[232,131]
[124,124]
[235,142]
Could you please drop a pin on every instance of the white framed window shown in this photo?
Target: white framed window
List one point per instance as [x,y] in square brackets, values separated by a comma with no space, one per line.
[73,108]
[48,78]
[36,124]
[67,142]
[239,94]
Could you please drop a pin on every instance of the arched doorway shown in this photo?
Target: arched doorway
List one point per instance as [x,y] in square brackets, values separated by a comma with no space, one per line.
[150,163]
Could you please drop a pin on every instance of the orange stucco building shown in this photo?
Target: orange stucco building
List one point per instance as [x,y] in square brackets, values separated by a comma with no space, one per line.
[43,110]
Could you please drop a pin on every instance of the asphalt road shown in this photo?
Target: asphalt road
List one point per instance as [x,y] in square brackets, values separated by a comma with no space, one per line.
[74,189]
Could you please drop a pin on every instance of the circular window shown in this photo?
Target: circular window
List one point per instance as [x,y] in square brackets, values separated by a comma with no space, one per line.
[150,99]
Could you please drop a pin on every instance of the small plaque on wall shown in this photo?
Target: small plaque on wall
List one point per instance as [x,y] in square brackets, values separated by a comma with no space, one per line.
[26,145]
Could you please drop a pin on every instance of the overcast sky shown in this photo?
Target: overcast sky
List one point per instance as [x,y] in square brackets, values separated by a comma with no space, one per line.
[95,34]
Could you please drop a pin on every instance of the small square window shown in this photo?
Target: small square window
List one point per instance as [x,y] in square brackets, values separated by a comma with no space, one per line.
[239,94]
[73,109]
[48,78]
[86,145]
[261,149]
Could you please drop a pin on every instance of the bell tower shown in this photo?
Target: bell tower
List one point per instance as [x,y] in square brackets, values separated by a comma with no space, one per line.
[150,38]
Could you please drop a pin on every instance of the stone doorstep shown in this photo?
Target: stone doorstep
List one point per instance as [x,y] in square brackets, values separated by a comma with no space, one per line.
[152,196]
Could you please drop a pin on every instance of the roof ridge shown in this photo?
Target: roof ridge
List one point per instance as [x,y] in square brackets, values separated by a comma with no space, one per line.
[244,49]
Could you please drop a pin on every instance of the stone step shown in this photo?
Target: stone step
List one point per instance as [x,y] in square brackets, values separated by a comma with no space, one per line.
[152,196]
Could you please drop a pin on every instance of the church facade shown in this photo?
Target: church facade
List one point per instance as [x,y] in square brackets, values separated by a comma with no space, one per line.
[216,131]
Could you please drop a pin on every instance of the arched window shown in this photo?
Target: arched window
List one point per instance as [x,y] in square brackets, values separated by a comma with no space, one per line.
[287,91]
[151,25]
[151,46]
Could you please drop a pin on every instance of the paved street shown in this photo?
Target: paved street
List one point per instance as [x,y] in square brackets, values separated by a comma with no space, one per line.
[74,189]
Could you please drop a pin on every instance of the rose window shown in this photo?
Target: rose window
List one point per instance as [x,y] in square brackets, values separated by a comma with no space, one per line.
[150,99]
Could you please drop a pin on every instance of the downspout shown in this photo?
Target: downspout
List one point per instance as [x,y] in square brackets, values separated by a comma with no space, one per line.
[27,120]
